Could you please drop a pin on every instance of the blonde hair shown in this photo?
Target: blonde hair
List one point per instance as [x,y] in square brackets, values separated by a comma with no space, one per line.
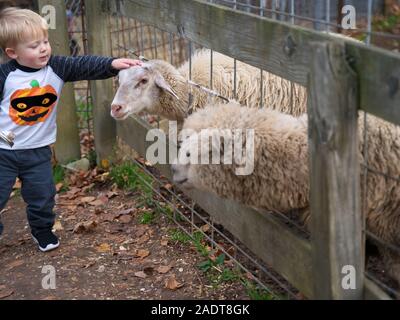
[18,25]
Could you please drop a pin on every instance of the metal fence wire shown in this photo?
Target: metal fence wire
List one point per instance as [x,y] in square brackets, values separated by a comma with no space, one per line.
[77,35]
[376,25]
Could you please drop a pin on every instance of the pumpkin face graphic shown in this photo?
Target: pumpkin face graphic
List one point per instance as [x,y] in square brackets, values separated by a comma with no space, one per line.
[33,105]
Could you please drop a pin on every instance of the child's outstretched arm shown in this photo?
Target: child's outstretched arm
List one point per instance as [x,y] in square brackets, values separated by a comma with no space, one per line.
[89,67]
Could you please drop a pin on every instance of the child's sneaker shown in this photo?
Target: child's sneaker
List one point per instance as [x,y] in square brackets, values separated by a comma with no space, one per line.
[46,240]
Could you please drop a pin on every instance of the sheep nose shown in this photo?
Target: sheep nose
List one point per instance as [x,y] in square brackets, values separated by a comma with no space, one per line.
[115,108]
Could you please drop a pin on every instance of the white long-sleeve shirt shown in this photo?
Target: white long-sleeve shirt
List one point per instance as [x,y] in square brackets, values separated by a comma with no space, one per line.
[29,97]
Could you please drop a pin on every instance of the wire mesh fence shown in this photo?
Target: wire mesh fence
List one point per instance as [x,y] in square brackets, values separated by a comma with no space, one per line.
[77,35]
[375,20]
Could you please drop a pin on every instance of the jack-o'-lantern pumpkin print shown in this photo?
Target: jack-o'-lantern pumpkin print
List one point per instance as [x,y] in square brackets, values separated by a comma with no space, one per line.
[33,105]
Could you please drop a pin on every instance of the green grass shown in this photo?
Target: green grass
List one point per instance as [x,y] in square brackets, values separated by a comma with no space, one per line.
[179,236]
[58,174]
[92,157]
[147,217]
[387,24]
[129,176]
[255,292]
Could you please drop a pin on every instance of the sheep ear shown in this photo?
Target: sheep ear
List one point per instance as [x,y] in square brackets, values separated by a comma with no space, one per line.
[162,84]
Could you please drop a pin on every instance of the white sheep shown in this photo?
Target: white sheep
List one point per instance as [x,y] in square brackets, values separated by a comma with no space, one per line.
[158,88]
[280,180]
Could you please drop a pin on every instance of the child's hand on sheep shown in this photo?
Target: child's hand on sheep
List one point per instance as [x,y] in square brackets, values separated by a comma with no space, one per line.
[124,63]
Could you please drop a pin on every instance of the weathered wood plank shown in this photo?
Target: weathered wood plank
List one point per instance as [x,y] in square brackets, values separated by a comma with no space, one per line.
[379,68]
[67,147]
[99,43]
[336,221]
[373,292]
[274,46]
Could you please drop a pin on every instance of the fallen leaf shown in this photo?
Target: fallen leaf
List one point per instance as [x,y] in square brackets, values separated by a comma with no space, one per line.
[73,191]
[57,226]
[163,269]
[59,186]
[164,242]
[90,186]
[71,208]
[85,226]
[140,274]
[144,238]
[103,199]
[142,253]
[15,264]
[91,263]
[111,194]
[124,212]
[141,230]
[96,203]
[69,218]
[107,217]
[102,177]
[17,184]
[104,247]
[168,186]
[87,199]
[4,292]
[105,163]
[205,228]
[125,219]
[172,284]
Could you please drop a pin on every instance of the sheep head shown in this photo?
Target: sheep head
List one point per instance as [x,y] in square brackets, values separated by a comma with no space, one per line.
[140,90]
[202,153]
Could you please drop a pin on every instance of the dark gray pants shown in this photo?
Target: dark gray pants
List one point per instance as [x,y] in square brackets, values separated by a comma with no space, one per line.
[33,167]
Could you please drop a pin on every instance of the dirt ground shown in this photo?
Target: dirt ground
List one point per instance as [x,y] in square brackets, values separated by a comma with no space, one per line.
[104,253]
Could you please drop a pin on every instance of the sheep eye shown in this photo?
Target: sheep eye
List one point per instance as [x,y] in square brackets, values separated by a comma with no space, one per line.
[188,154]
[141,82]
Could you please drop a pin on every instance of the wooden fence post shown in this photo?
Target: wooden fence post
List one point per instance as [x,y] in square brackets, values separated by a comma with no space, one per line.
[99,43]
[336,228]
[67,147]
